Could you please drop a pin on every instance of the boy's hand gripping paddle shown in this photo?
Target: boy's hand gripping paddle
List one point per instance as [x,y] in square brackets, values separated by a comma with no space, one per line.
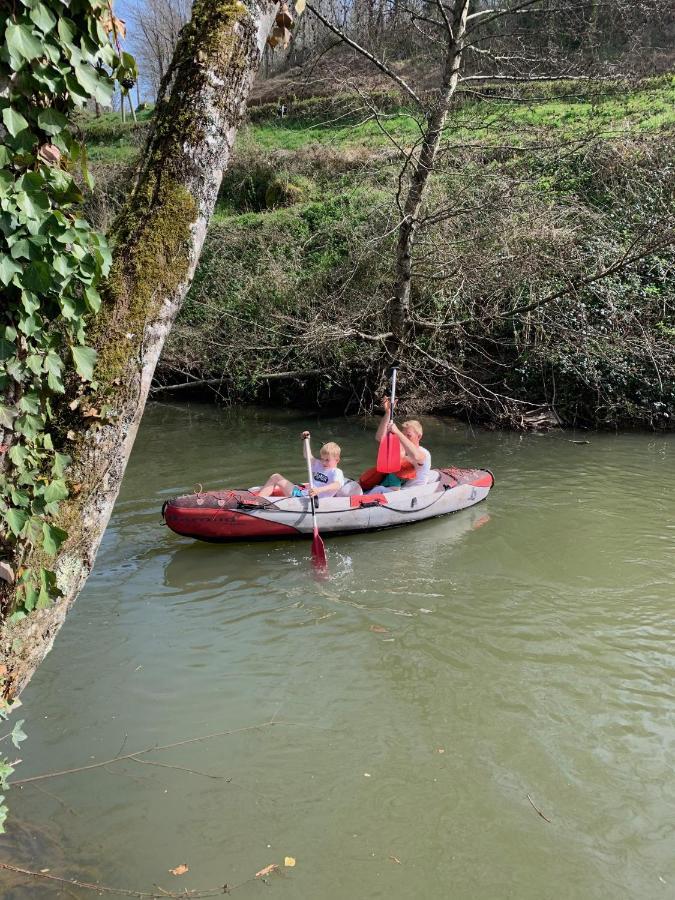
[318,549]
[389,454]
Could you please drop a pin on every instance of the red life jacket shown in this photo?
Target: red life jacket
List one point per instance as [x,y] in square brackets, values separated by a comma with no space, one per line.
[371,477]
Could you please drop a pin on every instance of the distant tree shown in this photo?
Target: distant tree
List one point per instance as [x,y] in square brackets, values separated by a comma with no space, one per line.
[156,25]
[474,46]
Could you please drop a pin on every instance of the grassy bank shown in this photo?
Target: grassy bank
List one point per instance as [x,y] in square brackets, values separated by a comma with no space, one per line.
[298,263]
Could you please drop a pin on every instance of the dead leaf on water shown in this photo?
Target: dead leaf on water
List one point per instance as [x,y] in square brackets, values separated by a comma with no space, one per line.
[180,870]
[395,859]
[266,870]
[289,861]
[378,629]
[440,749]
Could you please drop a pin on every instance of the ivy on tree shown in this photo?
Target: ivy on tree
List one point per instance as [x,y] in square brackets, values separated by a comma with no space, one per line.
[55,56]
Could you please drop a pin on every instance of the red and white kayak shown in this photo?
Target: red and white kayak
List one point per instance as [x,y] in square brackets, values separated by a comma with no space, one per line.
[241,515]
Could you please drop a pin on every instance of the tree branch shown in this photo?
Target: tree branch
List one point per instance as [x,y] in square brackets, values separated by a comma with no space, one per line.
[383,67]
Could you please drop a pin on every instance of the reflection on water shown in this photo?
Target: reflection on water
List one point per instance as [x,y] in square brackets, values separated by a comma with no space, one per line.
[403,710]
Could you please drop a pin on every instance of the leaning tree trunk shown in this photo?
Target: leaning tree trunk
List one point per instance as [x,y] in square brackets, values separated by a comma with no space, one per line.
[157,241]
[399,307]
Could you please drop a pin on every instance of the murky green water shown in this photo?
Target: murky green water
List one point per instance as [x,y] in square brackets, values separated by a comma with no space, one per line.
[405,708]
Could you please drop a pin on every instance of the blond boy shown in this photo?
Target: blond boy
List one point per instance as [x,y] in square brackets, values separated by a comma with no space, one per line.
[327,478]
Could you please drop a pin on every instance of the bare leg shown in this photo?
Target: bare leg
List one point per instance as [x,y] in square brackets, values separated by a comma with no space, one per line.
[279,481]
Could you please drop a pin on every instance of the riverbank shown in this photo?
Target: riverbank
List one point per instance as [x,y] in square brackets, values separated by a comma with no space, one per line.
[291,291]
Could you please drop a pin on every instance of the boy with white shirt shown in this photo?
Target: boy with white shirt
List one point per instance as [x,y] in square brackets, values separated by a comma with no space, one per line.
[327,479]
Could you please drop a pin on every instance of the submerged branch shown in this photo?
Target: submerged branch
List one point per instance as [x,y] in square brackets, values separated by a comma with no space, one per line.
[154,749]
[125,892]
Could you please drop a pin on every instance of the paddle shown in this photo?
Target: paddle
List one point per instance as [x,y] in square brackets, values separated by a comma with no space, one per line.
[318,549]
[389,454]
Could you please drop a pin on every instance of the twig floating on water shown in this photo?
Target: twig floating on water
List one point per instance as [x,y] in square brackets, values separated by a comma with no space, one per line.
[538,811]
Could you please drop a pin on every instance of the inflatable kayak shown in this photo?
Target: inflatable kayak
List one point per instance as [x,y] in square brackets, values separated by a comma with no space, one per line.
[238,515]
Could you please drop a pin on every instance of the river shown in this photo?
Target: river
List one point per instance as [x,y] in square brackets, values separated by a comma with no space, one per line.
[478,707]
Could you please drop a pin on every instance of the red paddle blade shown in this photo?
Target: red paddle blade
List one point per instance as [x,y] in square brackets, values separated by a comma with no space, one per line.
[319,560]
[389,454]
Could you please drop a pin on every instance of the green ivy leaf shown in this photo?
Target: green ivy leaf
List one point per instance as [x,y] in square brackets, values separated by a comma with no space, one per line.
[18,454]
[61,463]
[53,363]
[51,121]
[66,30]
[16,519]
[8,269]
[42,17]
[94,86]
[30,403]
[85,360]
[14,121]
[34,204]
[22,42]
[31,597]
[37,277]
[29,426]
[55,491]
[19,498]
[7,416]
[21,249]
[93,298]
[18,734]
[55,383]
[34,362]
[52,538]
[44,600]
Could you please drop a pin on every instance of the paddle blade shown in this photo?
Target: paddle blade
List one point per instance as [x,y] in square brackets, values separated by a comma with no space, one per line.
[389,454]
[319,561]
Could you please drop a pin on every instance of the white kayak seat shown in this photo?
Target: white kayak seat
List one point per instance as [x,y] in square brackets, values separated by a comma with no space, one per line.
[350,489]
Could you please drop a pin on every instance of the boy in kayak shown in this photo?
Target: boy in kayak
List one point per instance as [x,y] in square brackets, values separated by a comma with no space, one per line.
[410,435]
[327,479]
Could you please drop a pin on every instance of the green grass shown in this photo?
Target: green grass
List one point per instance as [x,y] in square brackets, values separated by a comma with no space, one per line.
[494,121]
[119,152]
[571,116]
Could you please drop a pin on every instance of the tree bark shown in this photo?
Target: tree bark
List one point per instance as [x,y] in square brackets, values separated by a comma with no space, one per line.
[157,241]
[399,308]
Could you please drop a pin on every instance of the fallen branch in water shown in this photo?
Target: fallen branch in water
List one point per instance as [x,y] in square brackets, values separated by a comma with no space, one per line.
[124,892]
[154,749]
[153,762]
[538,810]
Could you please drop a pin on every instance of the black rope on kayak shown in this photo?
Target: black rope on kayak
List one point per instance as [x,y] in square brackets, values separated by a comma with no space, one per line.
[340,512]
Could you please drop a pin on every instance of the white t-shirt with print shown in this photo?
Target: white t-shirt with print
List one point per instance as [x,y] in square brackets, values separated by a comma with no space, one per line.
[323,475]
[421,470]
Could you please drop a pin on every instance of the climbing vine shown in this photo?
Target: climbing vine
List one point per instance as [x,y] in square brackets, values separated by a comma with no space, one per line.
[55,57]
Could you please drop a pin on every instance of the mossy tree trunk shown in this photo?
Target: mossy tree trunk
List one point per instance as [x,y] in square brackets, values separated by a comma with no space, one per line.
[157,241]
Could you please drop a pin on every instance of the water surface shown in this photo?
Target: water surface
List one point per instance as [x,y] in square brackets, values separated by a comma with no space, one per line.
[386,726]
